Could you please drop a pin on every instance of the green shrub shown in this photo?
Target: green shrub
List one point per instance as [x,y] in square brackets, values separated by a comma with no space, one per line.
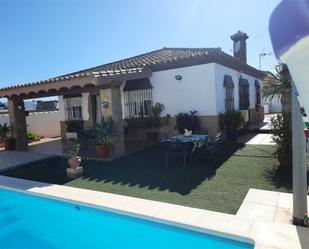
[4,131]
[101,132]
[231,120]
[187,121]
[32,136]
[155,113]
[281,127]
[73,151]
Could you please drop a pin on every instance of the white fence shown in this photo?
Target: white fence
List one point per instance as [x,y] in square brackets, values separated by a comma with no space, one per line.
[274,105]
[46,124]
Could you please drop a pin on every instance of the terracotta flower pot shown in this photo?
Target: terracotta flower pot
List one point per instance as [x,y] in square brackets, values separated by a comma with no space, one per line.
[9,143]
[285,160]
[74,162]
[102,151]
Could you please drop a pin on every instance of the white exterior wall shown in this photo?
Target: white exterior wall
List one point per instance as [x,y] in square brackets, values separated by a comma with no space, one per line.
[195,92]
[220,71]
[46,124]
[274,105]
[201,89]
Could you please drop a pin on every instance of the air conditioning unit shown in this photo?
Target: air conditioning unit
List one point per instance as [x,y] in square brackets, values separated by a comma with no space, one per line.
[245,114]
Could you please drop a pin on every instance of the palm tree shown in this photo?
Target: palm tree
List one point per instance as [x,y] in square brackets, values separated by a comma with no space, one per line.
[279,86]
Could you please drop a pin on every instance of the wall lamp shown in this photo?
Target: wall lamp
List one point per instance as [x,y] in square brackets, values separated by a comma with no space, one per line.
[178,77]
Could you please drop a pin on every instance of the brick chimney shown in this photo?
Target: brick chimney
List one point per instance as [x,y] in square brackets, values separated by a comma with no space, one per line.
[240,46]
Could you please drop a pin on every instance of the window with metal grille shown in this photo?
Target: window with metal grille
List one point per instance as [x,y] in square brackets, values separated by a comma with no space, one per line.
[229,98]
[243,94]
[137,103]
[73,107]
[229,92]
[257,94]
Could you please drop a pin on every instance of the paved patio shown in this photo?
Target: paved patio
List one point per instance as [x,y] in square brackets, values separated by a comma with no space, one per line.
[257,139]
[263,126]
[269,206]
[13,159]
[275,210]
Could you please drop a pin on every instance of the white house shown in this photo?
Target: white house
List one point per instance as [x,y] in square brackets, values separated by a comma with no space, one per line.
[206,80]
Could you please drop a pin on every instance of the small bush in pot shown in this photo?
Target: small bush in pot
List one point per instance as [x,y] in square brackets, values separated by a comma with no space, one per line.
[8,141]
[154,117]
[231,121]
[74,158]
[32,136]
[187,121]
[100,135]
[281,127]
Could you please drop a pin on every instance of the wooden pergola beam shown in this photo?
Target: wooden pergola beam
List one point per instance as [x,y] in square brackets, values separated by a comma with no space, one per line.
[70,85]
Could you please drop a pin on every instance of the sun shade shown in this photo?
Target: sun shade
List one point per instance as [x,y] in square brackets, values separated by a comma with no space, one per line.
[138,84]
[243,82]
[228,81]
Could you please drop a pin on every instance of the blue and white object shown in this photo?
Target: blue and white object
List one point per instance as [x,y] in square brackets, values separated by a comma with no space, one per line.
[289,31]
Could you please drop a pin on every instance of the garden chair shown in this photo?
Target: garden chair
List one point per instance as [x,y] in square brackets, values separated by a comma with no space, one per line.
[177,149]
[203,131]
[163,136]
[214,147]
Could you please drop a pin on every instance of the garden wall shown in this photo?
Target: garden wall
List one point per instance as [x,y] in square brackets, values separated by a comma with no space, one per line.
[46,124]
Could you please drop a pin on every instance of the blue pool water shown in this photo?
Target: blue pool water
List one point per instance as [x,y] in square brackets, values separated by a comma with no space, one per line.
[33,222]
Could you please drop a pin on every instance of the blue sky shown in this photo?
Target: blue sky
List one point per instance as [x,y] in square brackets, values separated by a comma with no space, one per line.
[41,39]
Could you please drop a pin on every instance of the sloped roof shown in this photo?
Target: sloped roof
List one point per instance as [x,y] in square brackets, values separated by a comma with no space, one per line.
[162,59]
[153,58]
[168,58]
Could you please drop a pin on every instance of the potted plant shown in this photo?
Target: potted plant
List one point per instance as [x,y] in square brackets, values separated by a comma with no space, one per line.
[8,141]
[187,121]
[231,121]
[154,117]
[33,137]
[71,130]
[100,134]
[282,136]
[74,159]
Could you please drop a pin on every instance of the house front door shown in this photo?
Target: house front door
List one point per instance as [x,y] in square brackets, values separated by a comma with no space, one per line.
[95,108]
[244,99]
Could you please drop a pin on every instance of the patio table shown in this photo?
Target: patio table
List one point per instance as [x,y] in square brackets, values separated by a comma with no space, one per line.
[197,140]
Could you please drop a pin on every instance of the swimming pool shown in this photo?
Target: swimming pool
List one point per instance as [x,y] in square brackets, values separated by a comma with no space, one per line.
[30,221]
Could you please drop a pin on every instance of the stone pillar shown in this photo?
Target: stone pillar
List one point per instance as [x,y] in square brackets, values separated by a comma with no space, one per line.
[112,98]
[18,122]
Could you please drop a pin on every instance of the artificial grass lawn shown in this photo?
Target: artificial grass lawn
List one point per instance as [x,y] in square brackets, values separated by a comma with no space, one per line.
[200,185]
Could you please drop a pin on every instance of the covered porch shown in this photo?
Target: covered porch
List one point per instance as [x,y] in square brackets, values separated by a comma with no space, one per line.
[101,96]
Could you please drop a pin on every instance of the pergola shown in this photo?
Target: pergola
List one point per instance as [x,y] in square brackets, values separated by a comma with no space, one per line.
[107,83]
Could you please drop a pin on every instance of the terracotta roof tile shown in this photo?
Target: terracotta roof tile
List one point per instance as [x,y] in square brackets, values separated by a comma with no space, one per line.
[161,56]
[168,58]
